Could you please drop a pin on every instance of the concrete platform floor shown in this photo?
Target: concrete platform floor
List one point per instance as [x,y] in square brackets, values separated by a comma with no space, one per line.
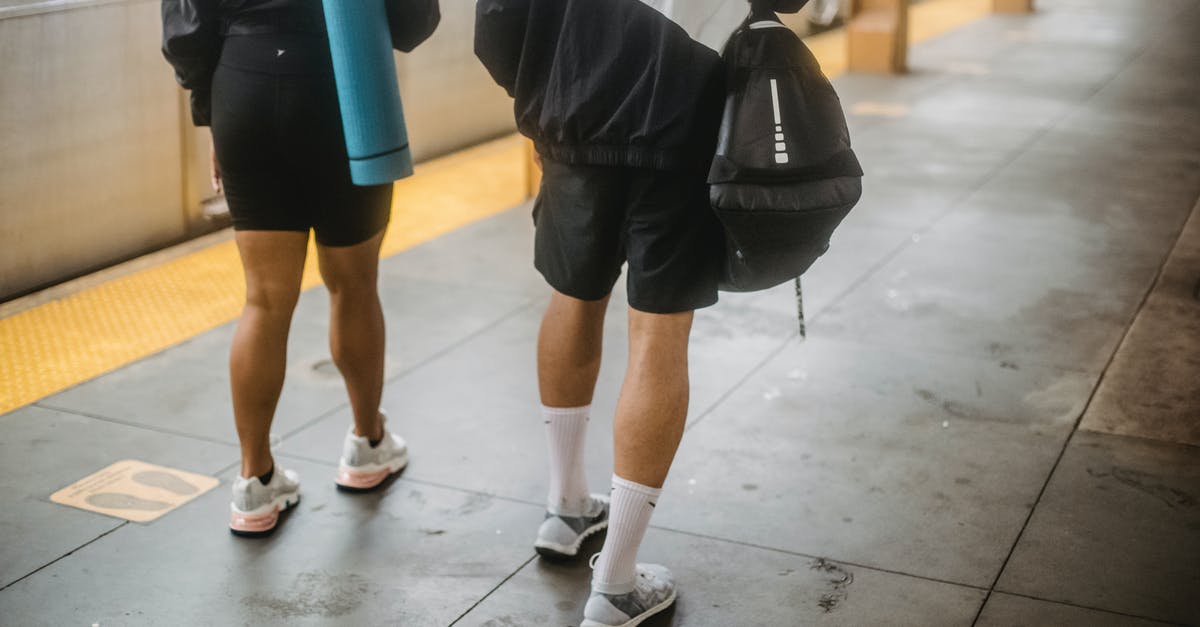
[915,462]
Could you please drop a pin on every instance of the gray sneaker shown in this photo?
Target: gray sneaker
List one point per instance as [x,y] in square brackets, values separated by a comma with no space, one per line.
[364,467]
[560,537]
[653,591]
[255,508]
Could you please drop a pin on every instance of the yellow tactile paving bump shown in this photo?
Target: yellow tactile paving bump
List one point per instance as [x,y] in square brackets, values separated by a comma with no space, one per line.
[56,345]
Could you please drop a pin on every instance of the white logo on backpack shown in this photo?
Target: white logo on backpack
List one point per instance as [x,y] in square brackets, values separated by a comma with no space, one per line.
[781,155]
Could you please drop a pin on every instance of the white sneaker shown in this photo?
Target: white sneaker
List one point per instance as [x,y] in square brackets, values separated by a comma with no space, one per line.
[560,536]
[363,467]
[255,508]
[653,591]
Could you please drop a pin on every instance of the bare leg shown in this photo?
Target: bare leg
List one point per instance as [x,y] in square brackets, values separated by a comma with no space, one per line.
[647,429]
[652,410]
[273,262]
[356,327]
[569,350]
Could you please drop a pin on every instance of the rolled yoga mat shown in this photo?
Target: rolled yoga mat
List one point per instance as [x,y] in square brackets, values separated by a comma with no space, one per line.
[365,72]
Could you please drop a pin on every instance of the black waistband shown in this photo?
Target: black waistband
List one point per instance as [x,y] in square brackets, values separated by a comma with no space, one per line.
[274,22]
[278,53]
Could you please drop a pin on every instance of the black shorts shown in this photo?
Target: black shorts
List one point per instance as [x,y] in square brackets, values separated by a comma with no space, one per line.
[277,130]
[591,219]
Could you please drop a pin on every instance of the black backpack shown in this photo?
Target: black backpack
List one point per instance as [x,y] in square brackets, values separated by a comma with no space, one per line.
[784,175]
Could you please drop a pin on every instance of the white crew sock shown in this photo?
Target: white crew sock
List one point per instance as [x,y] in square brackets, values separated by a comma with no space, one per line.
[628,517]
[566,431]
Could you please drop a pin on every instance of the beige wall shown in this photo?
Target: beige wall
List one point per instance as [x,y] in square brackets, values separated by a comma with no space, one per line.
[98,162]
[450,102]
[89,142]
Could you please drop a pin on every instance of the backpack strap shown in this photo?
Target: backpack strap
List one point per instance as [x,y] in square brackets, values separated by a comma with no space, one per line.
[800,310]
[760,11]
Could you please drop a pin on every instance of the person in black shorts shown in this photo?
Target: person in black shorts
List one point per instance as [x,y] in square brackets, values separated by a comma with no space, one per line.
[260,73]
[623,104]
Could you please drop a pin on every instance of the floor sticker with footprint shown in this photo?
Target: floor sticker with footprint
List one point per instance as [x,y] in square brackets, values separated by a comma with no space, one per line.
[134,490]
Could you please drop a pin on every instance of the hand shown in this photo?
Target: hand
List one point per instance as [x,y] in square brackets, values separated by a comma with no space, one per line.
[215,169]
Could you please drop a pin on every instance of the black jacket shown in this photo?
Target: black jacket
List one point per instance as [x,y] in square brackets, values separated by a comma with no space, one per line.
[193,32]
[608,82]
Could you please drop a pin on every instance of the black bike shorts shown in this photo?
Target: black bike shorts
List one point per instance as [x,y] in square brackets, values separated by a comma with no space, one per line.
[277,130]
[592,219]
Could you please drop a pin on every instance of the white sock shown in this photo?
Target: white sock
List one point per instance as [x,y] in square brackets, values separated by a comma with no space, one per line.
[566,431]
[628,517]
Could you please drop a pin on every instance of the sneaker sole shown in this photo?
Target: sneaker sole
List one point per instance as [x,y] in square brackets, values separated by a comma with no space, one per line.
[352,480]
[636,620]
[554,551]
[261,525]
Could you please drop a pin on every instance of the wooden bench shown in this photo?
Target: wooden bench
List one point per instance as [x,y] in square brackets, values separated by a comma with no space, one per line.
[877,36]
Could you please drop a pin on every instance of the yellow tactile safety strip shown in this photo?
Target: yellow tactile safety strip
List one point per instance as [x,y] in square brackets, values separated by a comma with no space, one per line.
[929,19]
[926,20]
[61,343]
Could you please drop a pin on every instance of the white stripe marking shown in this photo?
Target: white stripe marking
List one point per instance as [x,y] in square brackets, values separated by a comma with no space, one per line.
[775,100]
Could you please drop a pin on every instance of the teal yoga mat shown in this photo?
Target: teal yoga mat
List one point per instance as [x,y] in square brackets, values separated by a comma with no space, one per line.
[365,72]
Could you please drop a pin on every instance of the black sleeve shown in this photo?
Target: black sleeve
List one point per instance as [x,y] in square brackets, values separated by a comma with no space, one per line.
[191,44]
[412,22]
[500,38]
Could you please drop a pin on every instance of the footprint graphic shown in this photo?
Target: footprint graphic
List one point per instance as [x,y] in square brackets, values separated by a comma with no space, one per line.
[164,480]
[115,500]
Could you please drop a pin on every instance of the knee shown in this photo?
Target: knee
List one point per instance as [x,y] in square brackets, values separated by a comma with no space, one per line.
[661,334]
[353,287]
[274,300]
[586,313]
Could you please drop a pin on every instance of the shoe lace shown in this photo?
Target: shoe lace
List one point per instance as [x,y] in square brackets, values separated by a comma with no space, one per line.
[592,561]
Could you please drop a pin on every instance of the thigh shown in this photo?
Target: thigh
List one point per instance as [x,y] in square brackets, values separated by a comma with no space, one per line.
[579,214]
[254,170]
[673,243]
[346,215]
[342,214]
[353,267]
[273,262]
